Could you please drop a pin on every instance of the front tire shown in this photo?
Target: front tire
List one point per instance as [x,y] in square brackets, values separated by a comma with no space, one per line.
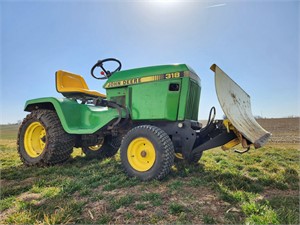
[147,153]
[42,140]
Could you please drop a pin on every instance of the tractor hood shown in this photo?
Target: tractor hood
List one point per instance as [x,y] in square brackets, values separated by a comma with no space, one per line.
[236,105]
[150,74]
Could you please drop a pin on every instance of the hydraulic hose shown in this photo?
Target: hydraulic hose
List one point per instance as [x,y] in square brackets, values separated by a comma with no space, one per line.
[210,117]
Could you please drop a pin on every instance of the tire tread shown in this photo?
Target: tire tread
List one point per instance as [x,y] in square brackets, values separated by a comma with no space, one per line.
[167,150]
[59,143]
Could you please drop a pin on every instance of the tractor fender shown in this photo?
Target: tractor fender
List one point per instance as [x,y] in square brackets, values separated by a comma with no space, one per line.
[76,118]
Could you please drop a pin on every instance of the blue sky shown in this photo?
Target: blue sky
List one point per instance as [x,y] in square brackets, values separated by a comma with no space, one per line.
[255,42]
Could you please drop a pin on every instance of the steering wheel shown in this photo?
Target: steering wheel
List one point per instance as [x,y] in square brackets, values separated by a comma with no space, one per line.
[106,73]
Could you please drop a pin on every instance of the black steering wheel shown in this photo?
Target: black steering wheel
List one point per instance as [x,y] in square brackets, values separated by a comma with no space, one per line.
[106,73]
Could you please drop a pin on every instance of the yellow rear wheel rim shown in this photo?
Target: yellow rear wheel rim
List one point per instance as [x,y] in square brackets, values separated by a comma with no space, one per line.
[141,154]
[96,147]
[35,139]
[178,155]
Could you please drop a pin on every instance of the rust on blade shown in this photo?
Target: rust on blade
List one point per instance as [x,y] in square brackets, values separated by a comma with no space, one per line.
[236,105]
[213,67]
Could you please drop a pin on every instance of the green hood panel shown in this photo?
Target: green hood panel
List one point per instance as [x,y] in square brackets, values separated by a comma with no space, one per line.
[75,118]
[131,75]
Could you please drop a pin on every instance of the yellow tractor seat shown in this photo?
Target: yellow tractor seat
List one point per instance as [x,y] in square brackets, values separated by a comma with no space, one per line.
[73,85]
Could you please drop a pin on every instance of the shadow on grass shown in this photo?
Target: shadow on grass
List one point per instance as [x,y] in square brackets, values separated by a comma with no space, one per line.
[109,171]
[74,175]
[63,190]
[225,183]
[78,178]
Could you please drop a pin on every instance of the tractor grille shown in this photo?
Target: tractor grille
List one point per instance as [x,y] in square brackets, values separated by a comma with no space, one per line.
[192,106]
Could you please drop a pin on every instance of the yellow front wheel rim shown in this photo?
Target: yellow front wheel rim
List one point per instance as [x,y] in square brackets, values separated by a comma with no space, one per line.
[35,139]
[141,154]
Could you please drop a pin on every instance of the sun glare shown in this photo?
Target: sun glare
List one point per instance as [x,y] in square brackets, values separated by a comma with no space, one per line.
[166,2]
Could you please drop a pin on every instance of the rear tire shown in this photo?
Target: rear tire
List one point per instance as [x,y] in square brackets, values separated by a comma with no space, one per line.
[42,140]
[147,153]
[108,147]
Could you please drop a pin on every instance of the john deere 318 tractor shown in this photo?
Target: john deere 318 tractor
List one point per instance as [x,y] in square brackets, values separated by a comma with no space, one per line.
[150,114]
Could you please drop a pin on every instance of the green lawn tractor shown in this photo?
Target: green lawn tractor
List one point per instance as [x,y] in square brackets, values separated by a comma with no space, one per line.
[150,114]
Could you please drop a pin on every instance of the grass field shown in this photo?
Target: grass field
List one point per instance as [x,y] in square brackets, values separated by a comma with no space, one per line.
[261,187]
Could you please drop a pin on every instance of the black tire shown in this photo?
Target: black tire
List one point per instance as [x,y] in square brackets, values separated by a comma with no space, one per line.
[57,145]
[158,148]
[107,148]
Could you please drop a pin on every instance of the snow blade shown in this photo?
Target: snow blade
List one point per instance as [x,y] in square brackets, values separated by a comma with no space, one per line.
[236,105]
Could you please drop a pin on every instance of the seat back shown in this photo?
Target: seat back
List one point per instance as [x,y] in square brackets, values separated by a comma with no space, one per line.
[73,86]
[69,82]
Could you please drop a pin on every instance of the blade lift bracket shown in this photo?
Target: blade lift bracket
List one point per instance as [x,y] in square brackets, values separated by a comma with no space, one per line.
[236,141]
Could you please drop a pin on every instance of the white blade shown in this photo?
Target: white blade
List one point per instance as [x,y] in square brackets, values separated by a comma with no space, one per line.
[236,105]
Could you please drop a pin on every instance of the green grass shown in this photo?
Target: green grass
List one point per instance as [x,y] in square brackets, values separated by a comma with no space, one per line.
[285,215]
[154,198]
[259,187]
[176,209]
[124,201]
